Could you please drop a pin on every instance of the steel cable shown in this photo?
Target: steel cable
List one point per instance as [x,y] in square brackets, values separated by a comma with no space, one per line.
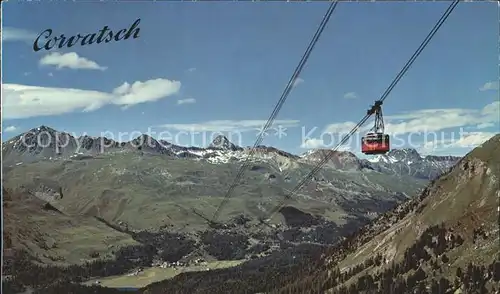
[278,106]
[398,77]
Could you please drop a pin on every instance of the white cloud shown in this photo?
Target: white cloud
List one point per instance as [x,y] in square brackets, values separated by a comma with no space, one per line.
[186,101]
[16,34]
[313,144]
[427,120]
[69,60]
[350,95]
[148,91]
[22,101]
[466,140]
[191,69]
[485,125]
[489,86]
[26,73]
[492,110]
[50,74]
[297,82]
[10,129]
[472,139]
[345,127]
[229,125]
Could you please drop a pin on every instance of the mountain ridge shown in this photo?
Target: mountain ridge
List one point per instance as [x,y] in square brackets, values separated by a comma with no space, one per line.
[47,143]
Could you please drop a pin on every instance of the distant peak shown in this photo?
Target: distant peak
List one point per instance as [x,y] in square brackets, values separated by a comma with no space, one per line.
[407,150]
[405,154]
[343,160]
[43,128]
[220,138]
[222,142]
[270,149]
[324,152]
[144,139]
[143,136]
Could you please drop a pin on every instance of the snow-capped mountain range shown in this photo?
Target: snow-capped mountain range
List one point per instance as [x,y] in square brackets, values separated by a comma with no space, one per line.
[45,143]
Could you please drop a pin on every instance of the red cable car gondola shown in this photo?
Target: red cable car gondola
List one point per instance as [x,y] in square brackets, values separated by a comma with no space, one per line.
[375,141]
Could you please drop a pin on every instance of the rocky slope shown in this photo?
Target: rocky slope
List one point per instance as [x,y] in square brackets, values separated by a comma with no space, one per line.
[437,240]
[119,186]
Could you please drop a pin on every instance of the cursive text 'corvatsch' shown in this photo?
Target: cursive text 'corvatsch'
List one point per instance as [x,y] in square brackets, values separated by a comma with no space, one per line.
[104,35]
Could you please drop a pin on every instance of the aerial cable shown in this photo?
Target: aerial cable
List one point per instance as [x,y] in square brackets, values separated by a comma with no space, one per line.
[420,49]
[330,154]
[278,106]
[318,167]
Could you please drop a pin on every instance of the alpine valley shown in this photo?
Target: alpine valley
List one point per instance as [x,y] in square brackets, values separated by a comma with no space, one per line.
[83,205]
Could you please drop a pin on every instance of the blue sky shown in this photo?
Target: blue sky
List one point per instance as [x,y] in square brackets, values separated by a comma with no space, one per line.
[222,66]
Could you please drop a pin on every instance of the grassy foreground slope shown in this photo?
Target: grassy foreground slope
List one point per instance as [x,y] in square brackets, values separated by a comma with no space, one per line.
[52,237]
